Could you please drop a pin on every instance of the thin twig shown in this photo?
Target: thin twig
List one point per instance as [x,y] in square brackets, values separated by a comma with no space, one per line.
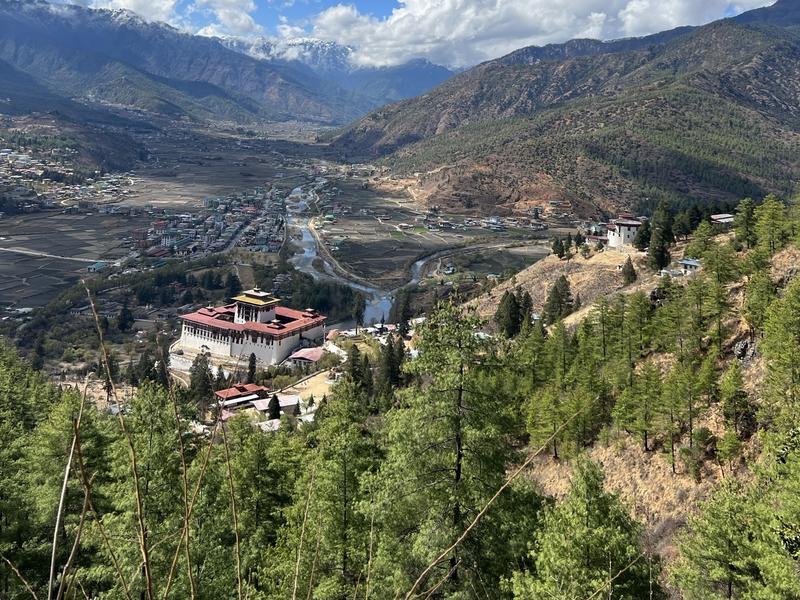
[615,577]
[132,451]
[20,577]
[432,590]
[303,530]
[63,496]
[75,545]
[314,564]
[184,479]
[87,485]
[234,514]
[195,494]
[488,505]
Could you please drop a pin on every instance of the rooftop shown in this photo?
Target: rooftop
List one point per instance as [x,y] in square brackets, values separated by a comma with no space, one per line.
[256,297]
[287,321]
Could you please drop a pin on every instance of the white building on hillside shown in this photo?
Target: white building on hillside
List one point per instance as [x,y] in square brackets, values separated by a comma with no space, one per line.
[253,324]
[621,232]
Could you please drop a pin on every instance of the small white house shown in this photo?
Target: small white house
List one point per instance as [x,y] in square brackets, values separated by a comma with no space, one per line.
[622,232]
[690,266]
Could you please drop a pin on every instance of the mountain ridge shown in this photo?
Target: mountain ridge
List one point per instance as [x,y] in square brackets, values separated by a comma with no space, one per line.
[520,131]
[93,53]
[334,62]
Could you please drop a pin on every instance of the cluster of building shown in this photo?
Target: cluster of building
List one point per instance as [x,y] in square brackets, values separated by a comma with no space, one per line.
[253,219]
[32,180]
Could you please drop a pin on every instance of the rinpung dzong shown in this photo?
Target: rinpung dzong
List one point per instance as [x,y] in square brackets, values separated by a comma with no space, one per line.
[253,324]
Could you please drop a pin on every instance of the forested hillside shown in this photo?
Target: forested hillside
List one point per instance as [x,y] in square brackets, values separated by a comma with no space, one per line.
[692,115]
[419,477]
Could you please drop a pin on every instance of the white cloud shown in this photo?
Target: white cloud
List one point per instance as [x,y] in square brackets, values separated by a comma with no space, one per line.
[464,32]
[151,10]
[231,17]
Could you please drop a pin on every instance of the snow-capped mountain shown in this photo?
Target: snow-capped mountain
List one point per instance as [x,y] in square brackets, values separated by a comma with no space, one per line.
[335,63]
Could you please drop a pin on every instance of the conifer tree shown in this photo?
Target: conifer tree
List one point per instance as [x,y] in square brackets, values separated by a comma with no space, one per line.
[589,545]
[251,368]
[642,238]
[274,408]
[702,238]
[759,294]
[558,248]
[745,223]
[635,411]
[735,404]
[628,272]
[732,550]
[771,225]
[446,456]
[559,301]
[781,350]
[507,316]
[660,238]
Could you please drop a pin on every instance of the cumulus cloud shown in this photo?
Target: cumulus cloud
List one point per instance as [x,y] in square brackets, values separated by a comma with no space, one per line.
[464,32]
[151,10]
[231,17]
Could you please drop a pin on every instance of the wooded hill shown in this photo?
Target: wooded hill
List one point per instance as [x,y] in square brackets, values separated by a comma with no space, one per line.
[708,113]
[419,477]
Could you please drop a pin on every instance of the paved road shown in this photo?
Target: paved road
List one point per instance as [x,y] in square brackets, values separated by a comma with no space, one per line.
[45,255]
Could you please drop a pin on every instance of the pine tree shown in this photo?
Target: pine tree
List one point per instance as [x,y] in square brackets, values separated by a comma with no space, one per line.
[682,226]
[359,307]
[559,301]
[125,319]
[201,383]
[759,294]
[642,238]
[636,409]
[735,403]
[232,285]
[558,248]
[589,545]
[732,550]
[771,225]
[660,238]
[446,456]
[745,223]
[251,368]
[507,316]
[702,238]
[274,408]
[781,348]
[628,272]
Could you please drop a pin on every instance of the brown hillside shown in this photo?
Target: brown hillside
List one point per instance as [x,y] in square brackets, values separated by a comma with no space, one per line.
[598,276]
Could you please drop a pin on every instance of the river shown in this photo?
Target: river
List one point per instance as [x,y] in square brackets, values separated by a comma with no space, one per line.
[378,302]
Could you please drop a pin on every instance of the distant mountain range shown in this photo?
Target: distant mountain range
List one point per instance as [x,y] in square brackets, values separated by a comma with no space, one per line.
[709,113]
[334,62]
[70,55]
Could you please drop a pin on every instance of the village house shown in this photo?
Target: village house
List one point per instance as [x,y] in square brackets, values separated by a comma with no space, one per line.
[253,324]
[622,231]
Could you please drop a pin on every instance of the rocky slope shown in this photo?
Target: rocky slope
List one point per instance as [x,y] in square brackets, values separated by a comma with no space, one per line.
[695,113]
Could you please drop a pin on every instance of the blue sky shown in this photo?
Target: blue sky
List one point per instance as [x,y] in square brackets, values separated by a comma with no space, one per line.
[456,33]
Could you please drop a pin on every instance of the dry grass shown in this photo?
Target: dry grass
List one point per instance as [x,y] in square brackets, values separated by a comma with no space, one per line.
[598,276]
[644,482]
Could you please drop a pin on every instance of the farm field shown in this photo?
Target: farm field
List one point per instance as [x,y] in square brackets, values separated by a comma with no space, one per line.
[42,253]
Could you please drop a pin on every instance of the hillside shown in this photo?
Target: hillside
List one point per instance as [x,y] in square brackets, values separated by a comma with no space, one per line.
[114,57]
[598,276]
[710,113]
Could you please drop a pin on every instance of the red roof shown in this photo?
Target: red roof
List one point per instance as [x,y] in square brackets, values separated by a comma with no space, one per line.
[287,321]
[242,389]
[310,354]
